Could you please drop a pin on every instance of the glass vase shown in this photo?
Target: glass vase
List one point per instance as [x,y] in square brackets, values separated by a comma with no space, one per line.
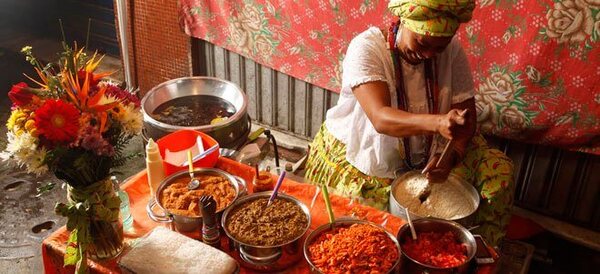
[106,228]
[107,240]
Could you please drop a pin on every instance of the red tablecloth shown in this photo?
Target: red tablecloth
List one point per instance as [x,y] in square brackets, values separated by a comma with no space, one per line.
[535,63]
[53,247]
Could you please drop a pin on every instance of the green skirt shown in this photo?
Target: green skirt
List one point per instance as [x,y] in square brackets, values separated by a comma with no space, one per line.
[490,171]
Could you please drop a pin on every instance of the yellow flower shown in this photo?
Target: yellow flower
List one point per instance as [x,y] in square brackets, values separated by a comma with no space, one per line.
[21,120]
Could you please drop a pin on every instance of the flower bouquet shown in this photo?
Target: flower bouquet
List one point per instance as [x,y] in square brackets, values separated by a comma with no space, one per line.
[75,124]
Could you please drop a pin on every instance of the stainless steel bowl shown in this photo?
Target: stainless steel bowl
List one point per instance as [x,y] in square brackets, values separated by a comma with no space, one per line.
[410,265]
[228,134]
[186,223]
[471,195]
[344,222]
[265,255]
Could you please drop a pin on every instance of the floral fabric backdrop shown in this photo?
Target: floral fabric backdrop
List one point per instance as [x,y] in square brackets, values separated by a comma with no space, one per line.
[535,63]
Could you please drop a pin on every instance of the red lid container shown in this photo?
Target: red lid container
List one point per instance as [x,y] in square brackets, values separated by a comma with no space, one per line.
[183,139]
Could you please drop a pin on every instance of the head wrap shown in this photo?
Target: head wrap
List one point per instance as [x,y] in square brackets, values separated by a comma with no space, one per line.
[433,17]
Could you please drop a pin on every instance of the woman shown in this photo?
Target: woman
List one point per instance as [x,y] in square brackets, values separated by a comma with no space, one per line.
[405,90]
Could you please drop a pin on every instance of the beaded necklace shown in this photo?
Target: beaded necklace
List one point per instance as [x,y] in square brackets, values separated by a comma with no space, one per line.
[431,86]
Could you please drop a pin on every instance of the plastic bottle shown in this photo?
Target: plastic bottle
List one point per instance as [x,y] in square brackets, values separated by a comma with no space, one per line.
[154,166]
[125,212]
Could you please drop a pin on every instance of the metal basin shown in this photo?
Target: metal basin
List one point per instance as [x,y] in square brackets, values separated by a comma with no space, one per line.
[471,195]
[345,222]
[186,223]
[267,255]
[229,133]
[410,265]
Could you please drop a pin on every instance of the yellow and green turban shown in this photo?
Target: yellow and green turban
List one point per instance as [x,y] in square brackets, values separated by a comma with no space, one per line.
[433,17]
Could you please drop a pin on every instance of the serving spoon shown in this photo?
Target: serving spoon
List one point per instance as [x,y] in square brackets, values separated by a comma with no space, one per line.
[443,158]
[194,183]
[413,233]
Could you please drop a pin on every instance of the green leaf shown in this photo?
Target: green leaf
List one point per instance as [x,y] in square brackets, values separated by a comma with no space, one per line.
[72,255]
[44,189]
[519,91]
[520,104]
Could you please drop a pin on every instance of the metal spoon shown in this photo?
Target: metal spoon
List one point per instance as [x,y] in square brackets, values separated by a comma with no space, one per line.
[194,183]
[413,233]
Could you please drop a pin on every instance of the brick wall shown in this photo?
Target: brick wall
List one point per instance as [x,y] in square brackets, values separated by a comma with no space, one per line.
[158,48]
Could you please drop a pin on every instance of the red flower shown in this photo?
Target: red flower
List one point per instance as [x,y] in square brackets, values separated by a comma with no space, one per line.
[122,95]
[57,121]
[20,95]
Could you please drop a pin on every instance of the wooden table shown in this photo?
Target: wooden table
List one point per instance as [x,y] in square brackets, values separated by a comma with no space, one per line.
[53,247]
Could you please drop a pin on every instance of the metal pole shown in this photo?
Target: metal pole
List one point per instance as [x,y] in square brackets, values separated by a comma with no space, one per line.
[122,22]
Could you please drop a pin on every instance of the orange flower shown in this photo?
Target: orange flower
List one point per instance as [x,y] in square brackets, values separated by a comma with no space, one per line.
[57,121]
[79,91]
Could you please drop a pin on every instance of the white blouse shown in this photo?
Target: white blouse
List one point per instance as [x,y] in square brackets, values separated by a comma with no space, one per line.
[368,59]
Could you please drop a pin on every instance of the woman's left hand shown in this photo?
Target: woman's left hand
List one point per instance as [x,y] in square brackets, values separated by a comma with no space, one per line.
[440,173]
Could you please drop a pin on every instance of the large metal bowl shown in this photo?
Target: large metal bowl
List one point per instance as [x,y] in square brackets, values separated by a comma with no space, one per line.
[229,133]
[344,222]
[265,255]
[186,223]
[471,195]
[410,265]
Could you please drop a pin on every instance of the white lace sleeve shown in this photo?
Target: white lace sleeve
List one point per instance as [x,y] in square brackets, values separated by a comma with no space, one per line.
[462,80]
[363,62]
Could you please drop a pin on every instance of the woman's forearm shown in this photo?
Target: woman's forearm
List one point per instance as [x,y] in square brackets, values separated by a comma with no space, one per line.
[397,123]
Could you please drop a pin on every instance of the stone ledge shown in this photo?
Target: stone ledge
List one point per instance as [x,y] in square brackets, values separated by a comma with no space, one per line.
[573,233]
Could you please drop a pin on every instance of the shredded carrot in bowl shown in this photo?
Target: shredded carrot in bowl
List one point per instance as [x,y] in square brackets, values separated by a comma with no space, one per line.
[359,248]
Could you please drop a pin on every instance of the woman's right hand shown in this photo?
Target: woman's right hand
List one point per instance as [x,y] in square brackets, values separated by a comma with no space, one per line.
[449,124]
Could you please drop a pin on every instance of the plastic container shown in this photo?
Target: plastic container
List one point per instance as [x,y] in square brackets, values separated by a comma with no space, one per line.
[184,139]
[154,166]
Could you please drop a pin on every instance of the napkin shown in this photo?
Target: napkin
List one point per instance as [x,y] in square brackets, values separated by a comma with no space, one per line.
[166,251]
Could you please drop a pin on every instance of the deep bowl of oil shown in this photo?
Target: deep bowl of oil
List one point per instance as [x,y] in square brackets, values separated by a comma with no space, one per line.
[211,105]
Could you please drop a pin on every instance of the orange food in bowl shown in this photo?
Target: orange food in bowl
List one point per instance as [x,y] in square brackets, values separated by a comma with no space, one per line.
[179,200]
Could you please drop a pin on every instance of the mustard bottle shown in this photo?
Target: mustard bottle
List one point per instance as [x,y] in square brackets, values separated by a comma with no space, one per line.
[154,166]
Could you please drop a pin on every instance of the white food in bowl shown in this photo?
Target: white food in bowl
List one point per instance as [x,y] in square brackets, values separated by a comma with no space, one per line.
[447,200]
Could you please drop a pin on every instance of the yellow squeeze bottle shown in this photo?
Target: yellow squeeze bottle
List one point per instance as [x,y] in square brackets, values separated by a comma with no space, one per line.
[154,166]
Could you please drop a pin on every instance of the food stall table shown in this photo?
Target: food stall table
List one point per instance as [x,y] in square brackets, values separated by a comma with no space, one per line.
[53,247]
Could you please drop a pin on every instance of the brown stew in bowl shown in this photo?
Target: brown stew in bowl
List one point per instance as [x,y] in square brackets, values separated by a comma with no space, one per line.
[192,111]
[254,223]
[179,200]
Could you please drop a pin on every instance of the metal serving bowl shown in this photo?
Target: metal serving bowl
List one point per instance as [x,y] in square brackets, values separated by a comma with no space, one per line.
[344,222]
[471,195]
[228,134]
[410,265]
[266,255]
[186,223]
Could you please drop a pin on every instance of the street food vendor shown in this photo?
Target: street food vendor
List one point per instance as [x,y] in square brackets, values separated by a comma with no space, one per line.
[405,89]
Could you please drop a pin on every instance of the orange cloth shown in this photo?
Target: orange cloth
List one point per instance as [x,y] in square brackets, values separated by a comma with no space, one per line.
[53,247]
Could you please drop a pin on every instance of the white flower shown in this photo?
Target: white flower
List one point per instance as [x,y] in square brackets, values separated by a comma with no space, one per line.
[22,150]
[532,73]
[131,120]
[569,21]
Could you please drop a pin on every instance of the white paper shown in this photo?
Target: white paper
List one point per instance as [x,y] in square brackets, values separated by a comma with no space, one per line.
[177,158]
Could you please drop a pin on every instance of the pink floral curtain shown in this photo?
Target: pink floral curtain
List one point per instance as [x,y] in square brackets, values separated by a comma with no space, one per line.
[536,64]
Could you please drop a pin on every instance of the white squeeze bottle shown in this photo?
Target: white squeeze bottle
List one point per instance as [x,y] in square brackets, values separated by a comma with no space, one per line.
[154,166]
